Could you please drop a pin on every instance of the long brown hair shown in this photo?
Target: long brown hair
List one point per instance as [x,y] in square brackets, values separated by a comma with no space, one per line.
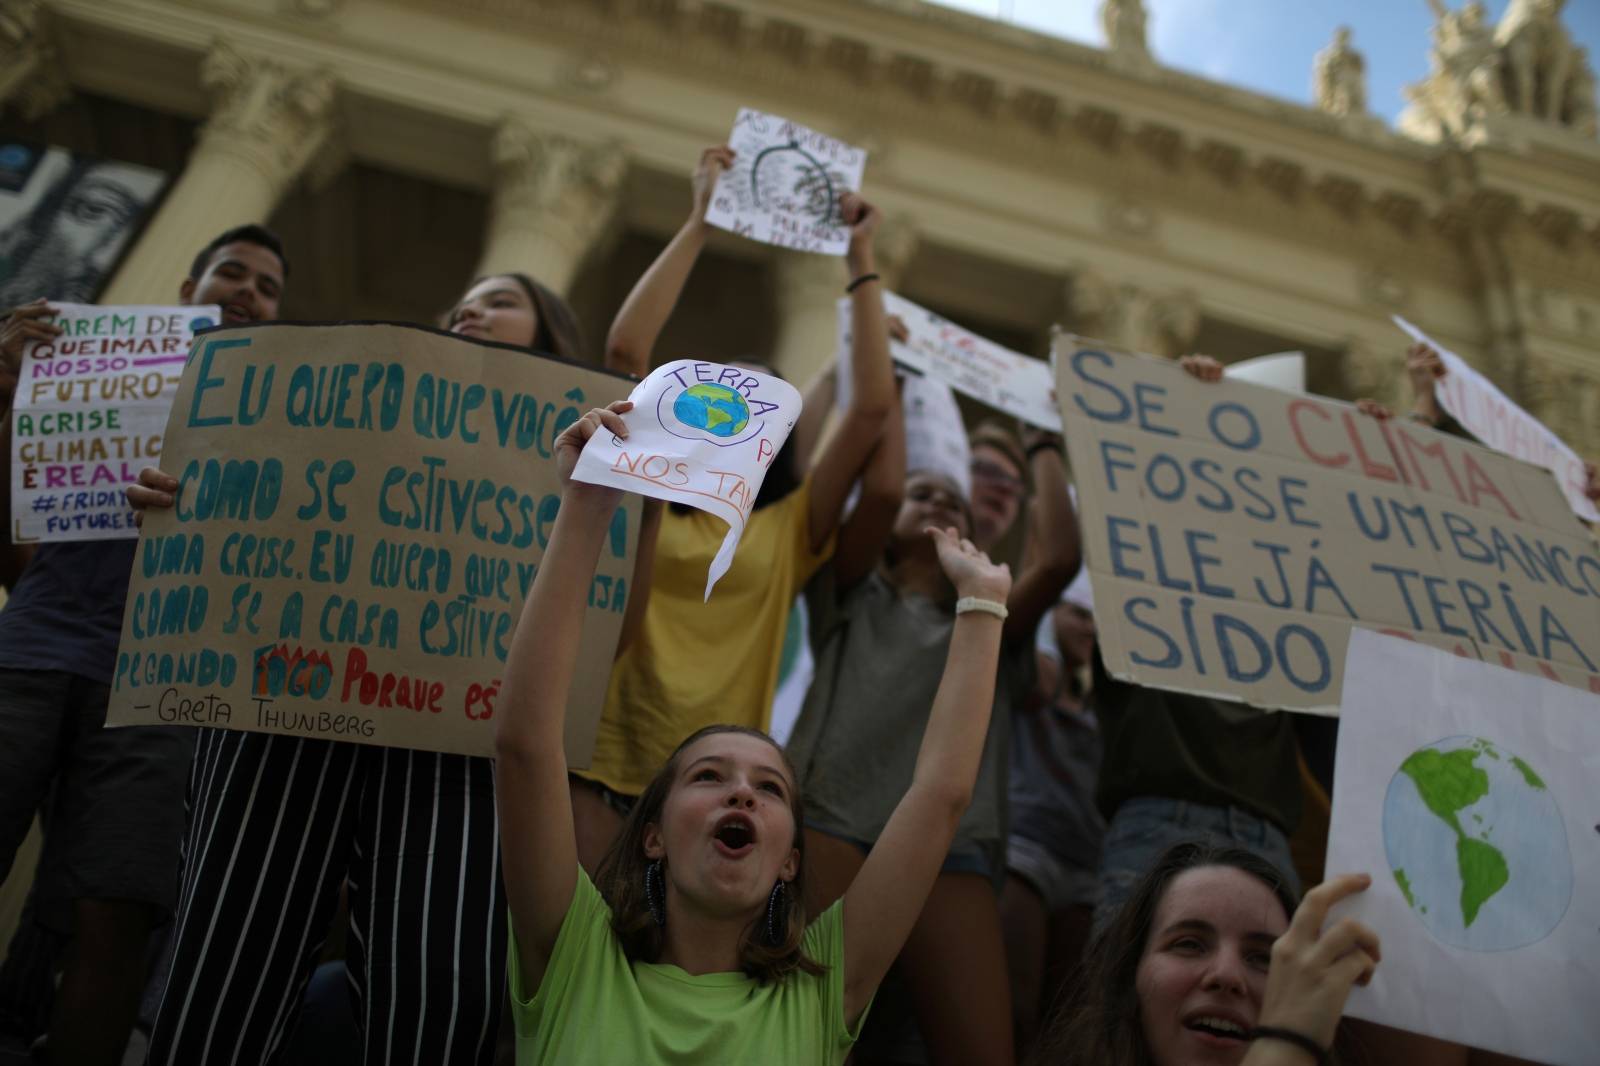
[1097,1022]
[557,332]
[620,879]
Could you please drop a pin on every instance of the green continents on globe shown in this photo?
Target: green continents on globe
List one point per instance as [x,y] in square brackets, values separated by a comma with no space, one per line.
[1477,845]
[712,407]
[1450,783]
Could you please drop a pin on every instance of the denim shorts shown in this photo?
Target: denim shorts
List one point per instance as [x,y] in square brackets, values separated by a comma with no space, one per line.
[1143,828]
[968,860]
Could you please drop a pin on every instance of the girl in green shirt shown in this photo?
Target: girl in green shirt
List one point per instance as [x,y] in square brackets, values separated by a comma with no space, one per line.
[694,947]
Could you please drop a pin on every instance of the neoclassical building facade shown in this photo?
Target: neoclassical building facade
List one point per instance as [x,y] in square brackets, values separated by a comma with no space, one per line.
[403,146]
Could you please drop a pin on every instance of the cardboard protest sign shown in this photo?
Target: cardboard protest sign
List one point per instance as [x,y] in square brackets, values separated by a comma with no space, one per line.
[361,511]
[1491,416]
[702,434]
[91,407]
[785,183]
[1235,534]
[998,377]
[1468,793]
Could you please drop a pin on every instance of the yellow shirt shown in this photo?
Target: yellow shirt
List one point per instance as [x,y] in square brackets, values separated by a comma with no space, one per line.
[698,663]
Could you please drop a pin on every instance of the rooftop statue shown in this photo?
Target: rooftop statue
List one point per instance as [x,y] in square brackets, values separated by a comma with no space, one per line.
[1339,79]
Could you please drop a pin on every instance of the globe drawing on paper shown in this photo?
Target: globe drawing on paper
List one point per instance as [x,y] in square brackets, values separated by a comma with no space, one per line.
[1477,845]
[712,408]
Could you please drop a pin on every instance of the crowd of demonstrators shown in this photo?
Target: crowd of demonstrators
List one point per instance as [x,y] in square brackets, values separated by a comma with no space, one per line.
[660,691]
[409,838]
[1059,866]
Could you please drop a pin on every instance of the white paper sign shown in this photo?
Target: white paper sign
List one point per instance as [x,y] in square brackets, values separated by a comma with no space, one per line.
[701,434]
[785,183]
[91,409]
[998,377]
[1498,423]
[1281,370]
[1469,794]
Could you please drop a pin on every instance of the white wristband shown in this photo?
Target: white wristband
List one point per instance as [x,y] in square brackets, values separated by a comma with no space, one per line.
[973,603]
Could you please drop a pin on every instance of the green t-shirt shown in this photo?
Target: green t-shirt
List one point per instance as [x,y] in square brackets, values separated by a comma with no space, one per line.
[595,1007]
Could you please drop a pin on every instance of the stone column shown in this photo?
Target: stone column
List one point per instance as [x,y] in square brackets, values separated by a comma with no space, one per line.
[808,290]
[554,203]
[30,68]
[268,122]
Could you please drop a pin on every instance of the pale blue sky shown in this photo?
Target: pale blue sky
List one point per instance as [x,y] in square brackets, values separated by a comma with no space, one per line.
[1268,45]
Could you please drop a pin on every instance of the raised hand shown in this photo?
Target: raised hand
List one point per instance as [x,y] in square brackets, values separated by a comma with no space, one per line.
[863,219]
[29,322]
[1201,367]
[155,488]
[970,570]
[1373,409]
[1424,367]
[569,445]
[713,161]
[1313,969]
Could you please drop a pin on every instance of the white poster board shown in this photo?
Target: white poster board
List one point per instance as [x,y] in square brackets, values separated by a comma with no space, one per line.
[785,183]
[1469,794]
[701,434]
[1498,423]
[91,410]
[995,376]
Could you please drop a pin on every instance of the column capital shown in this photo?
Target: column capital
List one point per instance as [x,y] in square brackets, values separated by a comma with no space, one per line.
[554,200]
[30,64]
[274,116]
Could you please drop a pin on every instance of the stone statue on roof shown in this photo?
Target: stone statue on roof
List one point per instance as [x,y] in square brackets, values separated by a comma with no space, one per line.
[1339,78]
[1124,23]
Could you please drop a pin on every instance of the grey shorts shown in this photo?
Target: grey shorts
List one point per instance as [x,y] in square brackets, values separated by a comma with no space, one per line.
[112,800]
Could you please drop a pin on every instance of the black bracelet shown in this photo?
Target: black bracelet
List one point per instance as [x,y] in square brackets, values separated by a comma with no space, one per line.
[1044,445]
[1299,1040]
[862,280]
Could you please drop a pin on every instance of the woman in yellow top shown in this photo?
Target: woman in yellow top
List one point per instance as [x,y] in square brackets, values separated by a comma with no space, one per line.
[691,663]
[695,946]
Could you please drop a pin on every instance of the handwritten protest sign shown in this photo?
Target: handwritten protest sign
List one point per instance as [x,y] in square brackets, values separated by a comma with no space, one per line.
[1474,811]
[1236,533]
[90,412]
[785,183]
[998,377]
[361,511]
[1491,416]
[701,434]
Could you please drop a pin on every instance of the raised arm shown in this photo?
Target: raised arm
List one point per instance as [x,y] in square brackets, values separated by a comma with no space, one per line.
[840,460]
[540,853]
[1053,528]
[644,574]
[647,308]
[865,533]
[882,903]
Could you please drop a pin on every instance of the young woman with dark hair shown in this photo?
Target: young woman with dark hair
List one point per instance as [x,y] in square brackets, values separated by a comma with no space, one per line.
[1210,961]
[696,945]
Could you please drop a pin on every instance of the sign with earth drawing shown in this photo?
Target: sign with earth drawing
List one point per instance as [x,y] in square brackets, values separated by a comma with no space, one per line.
[785,183]
[1467,792]
[700,434]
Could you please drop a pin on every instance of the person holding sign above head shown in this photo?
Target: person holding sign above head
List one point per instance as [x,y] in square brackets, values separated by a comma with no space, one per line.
[280,823]
[664,686]
[694,944]
[116,820]
[878,634]
[1210,961]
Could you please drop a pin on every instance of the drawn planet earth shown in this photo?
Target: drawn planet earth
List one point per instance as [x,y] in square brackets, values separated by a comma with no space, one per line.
[1477,845]
[711,407]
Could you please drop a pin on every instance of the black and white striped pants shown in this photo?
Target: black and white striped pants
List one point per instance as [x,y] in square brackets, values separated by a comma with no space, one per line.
[277,824]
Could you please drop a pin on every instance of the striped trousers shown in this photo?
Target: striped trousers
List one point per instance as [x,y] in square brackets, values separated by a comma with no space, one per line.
[277,825]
